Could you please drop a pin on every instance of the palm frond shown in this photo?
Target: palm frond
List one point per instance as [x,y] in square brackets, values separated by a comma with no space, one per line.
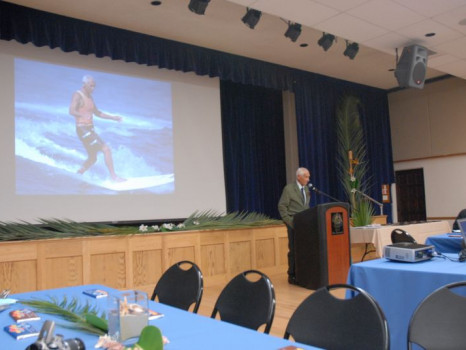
[351,138]
[60,228]
[212,220]
[70,310]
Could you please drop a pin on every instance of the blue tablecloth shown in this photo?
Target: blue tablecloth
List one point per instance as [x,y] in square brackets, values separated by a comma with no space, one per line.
[399,287]
[446,243]
[184,330]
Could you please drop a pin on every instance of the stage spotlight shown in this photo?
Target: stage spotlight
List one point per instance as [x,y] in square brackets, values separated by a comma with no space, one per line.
[326,41]
[351,50]
[251,18]
[293,31]
[198,6]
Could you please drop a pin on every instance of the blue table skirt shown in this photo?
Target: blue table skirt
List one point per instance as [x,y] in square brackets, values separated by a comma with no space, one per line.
[399,287]
[446,243]
[183,329]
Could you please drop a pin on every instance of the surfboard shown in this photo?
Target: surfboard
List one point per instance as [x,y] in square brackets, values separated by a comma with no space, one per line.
[136,183]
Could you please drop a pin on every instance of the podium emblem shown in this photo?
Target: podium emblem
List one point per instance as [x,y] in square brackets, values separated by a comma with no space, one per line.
[337,223]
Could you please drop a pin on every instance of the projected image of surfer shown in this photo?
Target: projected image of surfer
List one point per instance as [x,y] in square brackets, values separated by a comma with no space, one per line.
[116,138]
[83,108]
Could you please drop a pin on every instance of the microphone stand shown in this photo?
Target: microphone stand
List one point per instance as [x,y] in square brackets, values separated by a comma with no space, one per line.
[370,198]
[315,189]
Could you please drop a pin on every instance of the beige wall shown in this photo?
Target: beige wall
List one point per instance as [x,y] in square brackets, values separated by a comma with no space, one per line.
[428,129]
[429,122]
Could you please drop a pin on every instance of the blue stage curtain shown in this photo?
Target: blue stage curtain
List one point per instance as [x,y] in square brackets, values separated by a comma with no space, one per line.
[316,100]
[316,103]
[253,147]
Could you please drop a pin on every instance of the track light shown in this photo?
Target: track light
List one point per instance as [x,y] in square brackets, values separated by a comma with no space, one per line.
[351,50]
[293,31]
[251,18]
[326,41]
[198,6]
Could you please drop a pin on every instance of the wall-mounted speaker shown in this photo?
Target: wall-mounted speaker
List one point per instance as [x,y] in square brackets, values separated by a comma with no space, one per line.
[411,67]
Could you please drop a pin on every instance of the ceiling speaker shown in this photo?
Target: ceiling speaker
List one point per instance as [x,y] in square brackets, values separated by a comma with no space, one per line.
[412,66]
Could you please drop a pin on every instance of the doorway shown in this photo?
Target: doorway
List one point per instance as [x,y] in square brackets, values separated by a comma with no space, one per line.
[410,195]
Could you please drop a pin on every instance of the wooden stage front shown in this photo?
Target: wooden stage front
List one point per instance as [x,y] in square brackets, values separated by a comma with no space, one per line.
[137,261]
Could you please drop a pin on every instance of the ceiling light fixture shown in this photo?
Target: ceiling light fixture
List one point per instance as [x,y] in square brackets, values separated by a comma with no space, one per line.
[326,41]
[251,18]
[351,50]
[293,31]
[198,6]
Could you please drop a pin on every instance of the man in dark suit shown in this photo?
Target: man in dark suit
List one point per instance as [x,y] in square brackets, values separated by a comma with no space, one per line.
[295,198]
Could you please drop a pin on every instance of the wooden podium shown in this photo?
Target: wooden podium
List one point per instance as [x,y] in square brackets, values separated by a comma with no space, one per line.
[322,245]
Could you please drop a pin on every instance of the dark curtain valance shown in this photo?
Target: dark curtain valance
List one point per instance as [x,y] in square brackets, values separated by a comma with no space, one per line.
[41,28]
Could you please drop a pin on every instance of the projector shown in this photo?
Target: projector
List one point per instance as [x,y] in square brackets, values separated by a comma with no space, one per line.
[408,252]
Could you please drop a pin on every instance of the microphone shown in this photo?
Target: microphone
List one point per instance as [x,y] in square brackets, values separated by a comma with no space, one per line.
[315,189]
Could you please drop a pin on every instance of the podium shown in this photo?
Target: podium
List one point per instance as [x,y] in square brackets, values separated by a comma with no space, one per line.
[322,247]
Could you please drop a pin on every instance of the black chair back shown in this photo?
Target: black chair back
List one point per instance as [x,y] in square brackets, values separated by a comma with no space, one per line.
[438,321]
[180,287]
[327,322]
[401,236]
[461,215]
[247,303]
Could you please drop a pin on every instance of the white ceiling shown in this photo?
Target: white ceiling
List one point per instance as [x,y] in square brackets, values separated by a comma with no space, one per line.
[378,26]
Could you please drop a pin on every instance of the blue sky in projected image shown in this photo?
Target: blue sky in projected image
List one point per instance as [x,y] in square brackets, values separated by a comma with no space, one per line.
[48,152]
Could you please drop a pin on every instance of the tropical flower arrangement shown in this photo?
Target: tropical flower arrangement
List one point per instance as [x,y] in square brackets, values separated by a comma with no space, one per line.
[164,228]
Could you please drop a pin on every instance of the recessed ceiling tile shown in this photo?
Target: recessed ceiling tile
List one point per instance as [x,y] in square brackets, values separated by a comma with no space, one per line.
[247,3]
[453,18]
[386,14]
[431,8]
[351,28]
[455,48]
[388,42]
[304,12]
[342,5]
[438,60]
[420,29]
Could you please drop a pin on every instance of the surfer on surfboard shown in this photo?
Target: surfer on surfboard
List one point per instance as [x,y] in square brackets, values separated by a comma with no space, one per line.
[83,109]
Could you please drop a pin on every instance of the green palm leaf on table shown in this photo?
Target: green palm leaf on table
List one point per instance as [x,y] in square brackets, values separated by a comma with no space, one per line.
[83,317]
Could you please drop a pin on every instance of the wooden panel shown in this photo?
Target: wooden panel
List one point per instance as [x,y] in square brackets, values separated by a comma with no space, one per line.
[63,272]
[177,254]
[110,244]
[109,269]
[180,246]
[19,276]
[265,253]
[379,219]
[62,247]
[147,267]
[213,259]
[137,261]
[17,251]
[283,248]
[240,257]
[240,235]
